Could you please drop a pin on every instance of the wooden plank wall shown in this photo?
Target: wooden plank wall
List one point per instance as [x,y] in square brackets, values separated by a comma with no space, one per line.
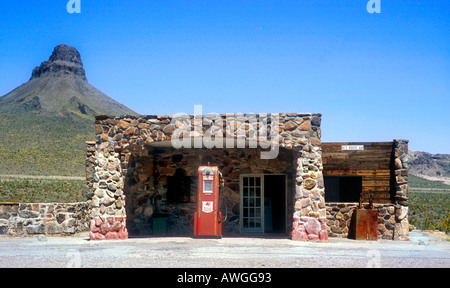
[373,164]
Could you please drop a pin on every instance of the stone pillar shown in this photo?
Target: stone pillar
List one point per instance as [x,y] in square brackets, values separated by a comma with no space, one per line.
[91,155]
[309,221]
[401,228]
[105,196]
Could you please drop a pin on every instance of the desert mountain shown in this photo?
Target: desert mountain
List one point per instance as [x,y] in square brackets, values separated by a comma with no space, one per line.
[434,167]
[59,87]
[45,122]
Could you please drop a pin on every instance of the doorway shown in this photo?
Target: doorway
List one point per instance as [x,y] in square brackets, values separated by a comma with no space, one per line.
[263,204]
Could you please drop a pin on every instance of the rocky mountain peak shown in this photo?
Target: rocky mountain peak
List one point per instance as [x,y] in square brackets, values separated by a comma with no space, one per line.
[59,87]
[67,53]
[64,62]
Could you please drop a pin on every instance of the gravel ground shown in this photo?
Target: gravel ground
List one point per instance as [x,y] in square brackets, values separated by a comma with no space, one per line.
[77,251]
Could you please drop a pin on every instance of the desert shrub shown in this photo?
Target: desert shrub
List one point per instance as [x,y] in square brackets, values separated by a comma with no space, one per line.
[42,190]
[430,211]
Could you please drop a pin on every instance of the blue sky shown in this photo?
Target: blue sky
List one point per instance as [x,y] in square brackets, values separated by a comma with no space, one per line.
[374,77]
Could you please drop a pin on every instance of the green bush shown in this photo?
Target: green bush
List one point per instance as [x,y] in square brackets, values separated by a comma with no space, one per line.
[419,182]
[42,190]
[430,211]
[43,145]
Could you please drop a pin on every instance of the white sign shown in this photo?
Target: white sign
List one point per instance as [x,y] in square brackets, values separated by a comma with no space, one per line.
[352,147]
[207,206]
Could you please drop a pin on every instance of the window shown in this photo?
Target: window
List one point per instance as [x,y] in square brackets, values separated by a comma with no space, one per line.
[179,187]
[343,188]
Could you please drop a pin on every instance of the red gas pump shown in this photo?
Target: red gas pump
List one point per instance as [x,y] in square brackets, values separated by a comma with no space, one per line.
[208,219]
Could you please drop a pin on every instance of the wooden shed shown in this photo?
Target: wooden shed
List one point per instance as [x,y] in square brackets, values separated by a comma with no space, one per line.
[354,168]
[355,171]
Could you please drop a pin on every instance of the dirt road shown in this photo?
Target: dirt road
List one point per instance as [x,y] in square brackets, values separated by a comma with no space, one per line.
[422,251]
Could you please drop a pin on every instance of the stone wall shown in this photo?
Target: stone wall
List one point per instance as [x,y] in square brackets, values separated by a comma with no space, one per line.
[401,198]
[309,219]
[339,217]
[43,218]
[105,197]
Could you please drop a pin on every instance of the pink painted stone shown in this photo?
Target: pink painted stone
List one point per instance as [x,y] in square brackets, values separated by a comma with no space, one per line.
[104,228]
[108,228]
[116,227]
[98,221]
[313,237]
[111,220]
[123,234]
[112,235]
[93,227]
[298,230]
[323,235]
[313,227]
[299,235]
[295,224]
[96,236]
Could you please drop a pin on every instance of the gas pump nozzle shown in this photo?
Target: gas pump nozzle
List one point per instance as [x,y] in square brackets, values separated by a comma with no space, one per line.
[222,195]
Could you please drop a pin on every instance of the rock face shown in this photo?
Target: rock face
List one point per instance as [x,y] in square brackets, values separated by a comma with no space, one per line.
[65,61]
[430,166]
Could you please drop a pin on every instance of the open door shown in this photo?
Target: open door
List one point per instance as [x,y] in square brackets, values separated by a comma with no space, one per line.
[263,204]
[275,204]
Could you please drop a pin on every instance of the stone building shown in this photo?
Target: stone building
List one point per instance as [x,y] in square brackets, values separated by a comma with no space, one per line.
[144,167]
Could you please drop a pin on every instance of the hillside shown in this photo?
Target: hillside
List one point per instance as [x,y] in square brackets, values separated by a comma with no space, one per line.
[433,167]
[45,122]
